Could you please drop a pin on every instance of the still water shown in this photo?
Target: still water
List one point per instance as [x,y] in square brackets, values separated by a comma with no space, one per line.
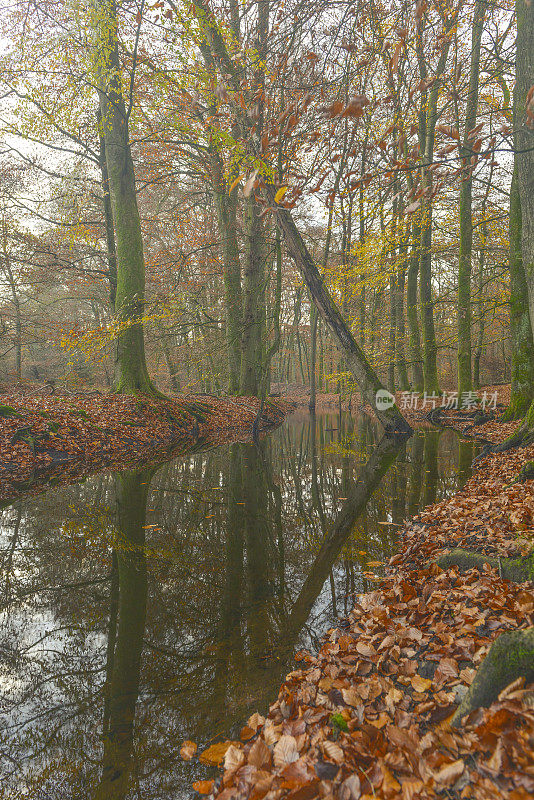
[142,608]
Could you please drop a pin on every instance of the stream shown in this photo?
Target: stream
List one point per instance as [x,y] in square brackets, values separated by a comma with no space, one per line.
[142,608]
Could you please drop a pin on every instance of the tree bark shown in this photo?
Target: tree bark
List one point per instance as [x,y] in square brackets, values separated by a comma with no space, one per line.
[132,374]
[522,389]
[466,212]
[226,207]
[367,380]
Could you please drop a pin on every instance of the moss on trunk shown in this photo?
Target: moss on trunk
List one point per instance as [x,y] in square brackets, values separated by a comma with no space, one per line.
[511,656]
[131,375]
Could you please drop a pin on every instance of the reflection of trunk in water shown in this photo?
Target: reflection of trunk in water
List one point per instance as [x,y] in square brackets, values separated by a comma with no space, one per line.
[261,552]
[124,665]
[465,459]
[369,479]
[230,643]
[431,467]
[416,472]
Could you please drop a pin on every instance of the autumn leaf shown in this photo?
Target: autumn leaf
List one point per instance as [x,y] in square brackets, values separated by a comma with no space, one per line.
[233,758]
[215,754]
[234,184]
[365,650]
[351,788]
[285,751]
[246,733]
[450,773]
[333,751]
[259,754]
[203,787]
[188,750]
[279,196]
[421,684]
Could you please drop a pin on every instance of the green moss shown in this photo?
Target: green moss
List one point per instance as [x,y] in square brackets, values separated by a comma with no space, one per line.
[338,723]
[9,411]
[78,412]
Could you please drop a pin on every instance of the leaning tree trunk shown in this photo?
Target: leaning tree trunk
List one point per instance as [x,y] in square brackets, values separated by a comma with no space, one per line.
[131,374]
[366,378]
[467,152]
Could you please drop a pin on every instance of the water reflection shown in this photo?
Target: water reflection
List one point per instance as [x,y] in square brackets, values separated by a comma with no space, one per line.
[151,606]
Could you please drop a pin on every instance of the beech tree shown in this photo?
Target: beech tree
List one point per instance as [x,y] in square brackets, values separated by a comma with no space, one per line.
[132,374]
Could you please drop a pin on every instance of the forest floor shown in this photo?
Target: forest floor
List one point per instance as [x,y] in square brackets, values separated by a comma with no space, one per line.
[369,716]
[62,438]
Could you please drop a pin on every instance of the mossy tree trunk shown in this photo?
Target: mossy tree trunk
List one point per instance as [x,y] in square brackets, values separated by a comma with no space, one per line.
[131,373]
[511,656]
[522,390]
[524,165]
[253,300]
[428,117]
[465,383]
[226,206]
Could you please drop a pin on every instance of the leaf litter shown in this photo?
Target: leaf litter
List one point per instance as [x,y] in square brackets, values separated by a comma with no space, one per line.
[66,437]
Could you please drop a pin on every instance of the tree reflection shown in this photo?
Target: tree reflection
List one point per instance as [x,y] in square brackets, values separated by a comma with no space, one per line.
[126,631]
[143,609]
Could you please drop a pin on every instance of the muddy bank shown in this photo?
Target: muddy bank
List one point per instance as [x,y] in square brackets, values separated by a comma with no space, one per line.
[66,437]
[371,715]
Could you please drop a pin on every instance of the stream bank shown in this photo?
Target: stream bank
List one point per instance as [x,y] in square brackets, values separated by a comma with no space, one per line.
[370,716]
[64,437]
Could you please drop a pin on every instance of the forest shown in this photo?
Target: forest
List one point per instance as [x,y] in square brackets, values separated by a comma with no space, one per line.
[266,397]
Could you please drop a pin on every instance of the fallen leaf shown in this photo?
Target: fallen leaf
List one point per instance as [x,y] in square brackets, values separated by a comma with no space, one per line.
[285,751]
[333,751]
[421,684]
[259,754]
[203,787]
[188,750]
[215,754]
[279,196]
[450,773]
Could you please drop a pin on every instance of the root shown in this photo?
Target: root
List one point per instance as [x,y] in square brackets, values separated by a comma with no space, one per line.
[9,411]
[526,473]
[517,570]
[511,656]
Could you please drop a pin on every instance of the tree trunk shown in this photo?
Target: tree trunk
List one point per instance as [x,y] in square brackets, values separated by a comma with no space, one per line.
[356,362]
[402,372]
[414,336]
[253,301]
[226,206]
[524,164]
[522,391]
[314,320]
[428,118]
[466,213]
[108,215]
[132,374]
[511,656]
